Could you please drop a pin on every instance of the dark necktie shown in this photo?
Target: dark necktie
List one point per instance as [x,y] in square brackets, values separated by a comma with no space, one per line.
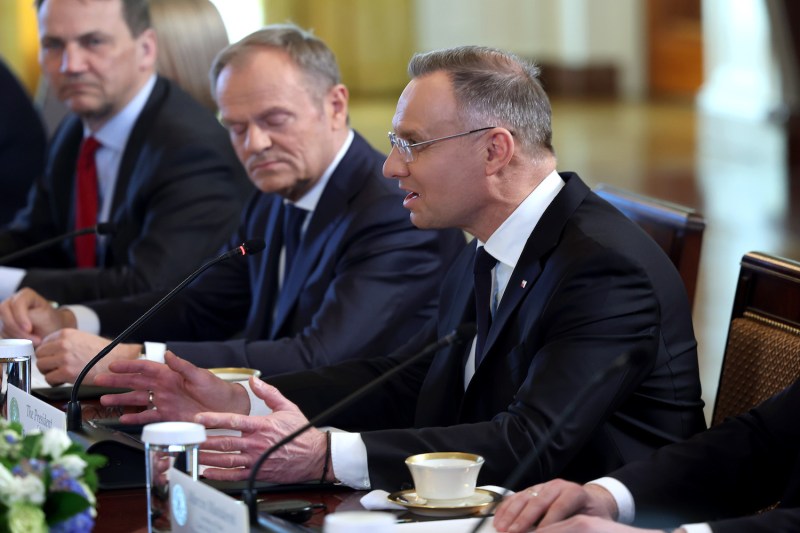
[482,269]
[293,218]
[86,203]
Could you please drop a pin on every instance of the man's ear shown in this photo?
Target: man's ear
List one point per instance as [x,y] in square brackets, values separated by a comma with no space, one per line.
[499,150]
[336,105]
[148,47]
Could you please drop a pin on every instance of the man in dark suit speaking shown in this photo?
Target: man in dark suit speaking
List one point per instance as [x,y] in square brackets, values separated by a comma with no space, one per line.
[570,285]
[136,151]
[719,480]
[353,278]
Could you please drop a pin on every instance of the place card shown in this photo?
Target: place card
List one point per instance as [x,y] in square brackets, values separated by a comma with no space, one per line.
[32,412]
[198,508]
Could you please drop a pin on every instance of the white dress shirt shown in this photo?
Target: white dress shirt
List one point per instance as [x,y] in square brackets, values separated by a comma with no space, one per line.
[113,137]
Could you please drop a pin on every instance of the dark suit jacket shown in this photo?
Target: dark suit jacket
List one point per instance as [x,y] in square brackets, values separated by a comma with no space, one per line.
[178,195]
[22,144]
[364,278]
[733,470]
[589,286]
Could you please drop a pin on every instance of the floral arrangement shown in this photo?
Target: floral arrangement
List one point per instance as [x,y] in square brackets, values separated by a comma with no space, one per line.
[46,482]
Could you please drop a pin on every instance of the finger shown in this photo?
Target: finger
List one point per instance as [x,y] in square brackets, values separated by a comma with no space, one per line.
[521,511]
[181,366]
[124,381]
[230,474]
[243,423]
[137,398]
[271,395]
[148,416]
[508,510]
[136,366]
[225,460]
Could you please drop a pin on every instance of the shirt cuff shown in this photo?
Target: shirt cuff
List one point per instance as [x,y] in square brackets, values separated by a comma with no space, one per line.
[85,317]
[626,510]
[10,280]
[349,458]
[154,351]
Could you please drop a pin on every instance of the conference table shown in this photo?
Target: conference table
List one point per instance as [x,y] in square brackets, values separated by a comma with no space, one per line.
[125,510]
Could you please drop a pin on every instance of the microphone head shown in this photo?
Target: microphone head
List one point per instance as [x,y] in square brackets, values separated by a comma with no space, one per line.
[253,246]
[105,228]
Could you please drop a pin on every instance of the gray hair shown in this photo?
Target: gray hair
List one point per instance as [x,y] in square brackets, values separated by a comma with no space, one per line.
[494,88]
[308,52]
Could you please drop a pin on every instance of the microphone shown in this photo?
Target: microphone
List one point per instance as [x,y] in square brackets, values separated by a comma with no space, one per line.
[533,456]
[105,441]
[103,228]
[457,336]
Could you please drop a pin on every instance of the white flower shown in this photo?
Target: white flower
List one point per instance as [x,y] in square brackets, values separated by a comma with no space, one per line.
[20,489]
[55,443]
[72,464]
[7,484]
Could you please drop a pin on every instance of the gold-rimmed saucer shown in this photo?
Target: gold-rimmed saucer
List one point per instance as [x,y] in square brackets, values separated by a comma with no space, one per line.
[481,499]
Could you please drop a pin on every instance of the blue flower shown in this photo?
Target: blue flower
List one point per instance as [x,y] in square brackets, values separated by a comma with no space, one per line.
[80,523]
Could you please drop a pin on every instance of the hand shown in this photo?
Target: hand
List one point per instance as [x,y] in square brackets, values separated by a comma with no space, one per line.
[552,502]
[300,460]
[28,315]
[62,355]
[180,390]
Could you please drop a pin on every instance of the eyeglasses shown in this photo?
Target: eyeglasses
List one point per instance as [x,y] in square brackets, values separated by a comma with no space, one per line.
[405,148]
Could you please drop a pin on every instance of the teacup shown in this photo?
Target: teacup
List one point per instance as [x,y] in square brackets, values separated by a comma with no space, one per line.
[235,373]
[445,475]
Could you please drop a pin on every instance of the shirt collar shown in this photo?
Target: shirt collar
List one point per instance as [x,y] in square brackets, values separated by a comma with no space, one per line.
[310,199]
[507,242]
[114,133]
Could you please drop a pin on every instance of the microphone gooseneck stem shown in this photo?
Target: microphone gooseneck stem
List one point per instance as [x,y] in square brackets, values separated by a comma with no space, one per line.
[456,336]
[74,419]
[45,244]
[536,452]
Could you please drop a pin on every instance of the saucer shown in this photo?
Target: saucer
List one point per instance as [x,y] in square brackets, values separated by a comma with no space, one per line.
[444,508]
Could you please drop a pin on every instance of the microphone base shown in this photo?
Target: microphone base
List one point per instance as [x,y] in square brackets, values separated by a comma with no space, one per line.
[126,464]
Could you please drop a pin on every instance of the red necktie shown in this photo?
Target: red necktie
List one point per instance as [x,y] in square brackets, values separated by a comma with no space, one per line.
[86,203]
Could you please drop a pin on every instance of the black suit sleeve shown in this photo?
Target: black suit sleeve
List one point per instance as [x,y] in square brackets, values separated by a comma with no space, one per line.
[732,470]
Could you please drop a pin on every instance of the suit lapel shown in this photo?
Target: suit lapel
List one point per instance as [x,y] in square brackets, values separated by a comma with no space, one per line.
[331,210]
[545,237]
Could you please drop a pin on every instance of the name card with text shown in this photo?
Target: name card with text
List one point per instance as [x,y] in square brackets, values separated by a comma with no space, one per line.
[32,412]
[199,508]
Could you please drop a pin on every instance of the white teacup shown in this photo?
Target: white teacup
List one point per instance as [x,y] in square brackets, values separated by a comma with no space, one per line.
[444,475]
